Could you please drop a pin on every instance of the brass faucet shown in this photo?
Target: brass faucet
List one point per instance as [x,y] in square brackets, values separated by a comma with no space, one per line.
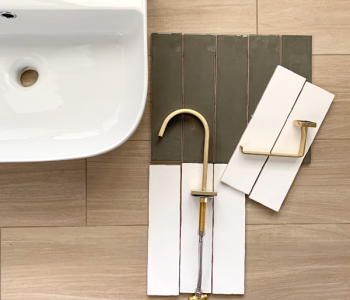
[203,194]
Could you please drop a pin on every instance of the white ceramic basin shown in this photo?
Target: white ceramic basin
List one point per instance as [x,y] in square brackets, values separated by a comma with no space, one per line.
[91,56]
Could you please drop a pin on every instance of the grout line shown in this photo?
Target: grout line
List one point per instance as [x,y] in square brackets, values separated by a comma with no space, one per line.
[132,140]
[293,224]
[182,143]
[214,158]
[333,139]
[318,54]
[150,73]
[281,49]
[146,225]
[330,54]
[312,60]
[183,97]
[215,86]
[212,234]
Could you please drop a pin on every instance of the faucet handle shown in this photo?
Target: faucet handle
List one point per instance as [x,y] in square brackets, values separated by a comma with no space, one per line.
[206,194]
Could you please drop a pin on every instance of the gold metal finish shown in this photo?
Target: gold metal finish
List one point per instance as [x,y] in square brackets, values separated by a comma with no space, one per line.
[206,138]
[202,297]
[202,215]
[205,153]
[204,194]
[304,125]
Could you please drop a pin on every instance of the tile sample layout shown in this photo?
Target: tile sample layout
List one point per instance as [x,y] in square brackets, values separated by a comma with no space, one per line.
[224,241]
[104,262]
[278,174]
[164,230]
[263,130]
[223,77]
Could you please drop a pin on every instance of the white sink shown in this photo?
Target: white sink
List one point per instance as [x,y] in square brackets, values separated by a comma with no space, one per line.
[91,57]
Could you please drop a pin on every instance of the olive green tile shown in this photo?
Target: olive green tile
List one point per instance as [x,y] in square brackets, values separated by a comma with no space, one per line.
[231,94]
[264,56]
[166,94]
[297,54]
[307,158]
[297,57]
[199,67]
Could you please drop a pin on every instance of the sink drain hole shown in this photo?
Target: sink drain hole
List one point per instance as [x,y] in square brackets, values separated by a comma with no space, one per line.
[29,77]
[8,15]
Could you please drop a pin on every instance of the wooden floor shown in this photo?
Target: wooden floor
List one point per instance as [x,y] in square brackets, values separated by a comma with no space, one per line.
[78,229]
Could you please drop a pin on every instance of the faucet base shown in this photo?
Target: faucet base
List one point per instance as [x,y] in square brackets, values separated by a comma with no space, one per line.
[203,297]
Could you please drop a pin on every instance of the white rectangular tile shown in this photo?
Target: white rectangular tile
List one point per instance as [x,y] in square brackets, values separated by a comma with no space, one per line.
[263,129]
[192,180]
[228,237]
[164,230]
[279,172]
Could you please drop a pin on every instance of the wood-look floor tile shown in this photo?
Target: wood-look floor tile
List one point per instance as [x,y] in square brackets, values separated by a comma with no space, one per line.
[327,21]
[43,194]
[117,185]
[143,132]
[320,192]
[337,122]
[225,16]
[297,262]
[331,72]
[74,263]
[283,262]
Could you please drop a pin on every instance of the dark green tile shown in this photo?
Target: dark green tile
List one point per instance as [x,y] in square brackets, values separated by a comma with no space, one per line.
[166,94]
[307,158]
[297,57]
[297,54]
[231,94]
[264,56]
[199,57]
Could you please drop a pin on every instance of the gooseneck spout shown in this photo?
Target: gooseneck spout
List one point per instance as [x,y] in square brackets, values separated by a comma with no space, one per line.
[206,138]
